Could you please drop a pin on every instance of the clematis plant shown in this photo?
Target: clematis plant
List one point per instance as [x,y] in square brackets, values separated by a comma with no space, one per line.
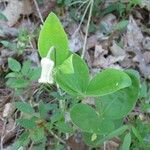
[115,91]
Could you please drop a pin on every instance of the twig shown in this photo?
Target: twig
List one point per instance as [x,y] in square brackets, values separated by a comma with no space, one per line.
[30,148]
[86,9]
[2,135]
[80,7]
[77,2]
[87,29]
[105,145]
[58,138]
[38,10]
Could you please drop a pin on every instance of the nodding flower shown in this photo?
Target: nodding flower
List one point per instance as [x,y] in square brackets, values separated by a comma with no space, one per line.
[47,68]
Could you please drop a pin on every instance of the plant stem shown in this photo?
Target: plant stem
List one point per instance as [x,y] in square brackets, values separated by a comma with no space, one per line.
[87,29]
[58,138]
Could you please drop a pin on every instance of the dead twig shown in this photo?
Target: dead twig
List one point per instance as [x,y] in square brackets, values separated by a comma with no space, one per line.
[38,10]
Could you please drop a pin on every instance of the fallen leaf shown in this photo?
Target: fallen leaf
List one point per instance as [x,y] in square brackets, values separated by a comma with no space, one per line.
[146,43]
[116,50]
[8,110]
[14,9]
[146,4]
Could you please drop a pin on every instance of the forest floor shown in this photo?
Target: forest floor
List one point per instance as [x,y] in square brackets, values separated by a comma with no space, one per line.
[118,36]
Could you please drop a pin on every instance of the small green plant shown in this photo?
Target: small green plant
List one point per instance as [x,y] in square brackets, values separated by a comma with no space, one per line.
[3,17]
[115,93]
[21,42]
[21,77]
[36,124]
[121,8]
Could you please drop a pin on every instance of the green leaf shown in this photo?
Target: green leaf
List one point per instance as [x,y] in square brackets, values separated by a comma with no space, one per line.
[64,127]
[53,34]
[17,83]
[11,75]
[22,141]
[48,126]
[51,107]
[116,132]
[88,139]
[34,73]
[101,139]
[40,146]
[37,134]
[26,123]
[121,25]
[127,142]
[143,90]
[88,120]
[42,110]
[111,8]
[57,116]
[3,17]
[73,75]
[108,81]
[14,65]
[9,45]
[137,134]
[26,67]
[119,104]
[24,107]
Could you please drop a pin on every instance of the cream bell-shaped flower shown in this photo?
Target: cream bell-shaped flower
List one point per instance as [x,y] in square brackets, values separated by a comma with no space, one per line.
[47,67]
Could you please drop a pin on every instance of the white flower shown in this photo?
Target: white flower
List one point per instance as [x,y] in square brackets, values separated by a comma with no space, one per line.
[47,67]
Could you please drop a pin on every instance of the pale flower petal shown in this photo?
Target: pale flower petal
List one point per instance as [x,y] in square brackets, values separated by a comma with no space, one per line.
[47,67]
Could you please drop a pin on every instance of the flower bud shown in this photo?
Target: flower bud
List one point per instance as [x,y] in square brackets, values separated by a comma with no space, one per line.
[47,68]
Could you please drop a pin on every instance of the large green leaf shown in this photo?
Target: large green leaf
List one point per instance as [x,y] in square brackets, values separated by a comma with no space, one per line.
[108,81]
[88,120]
[101,139]
[73,75]
[53,34]
[119,104]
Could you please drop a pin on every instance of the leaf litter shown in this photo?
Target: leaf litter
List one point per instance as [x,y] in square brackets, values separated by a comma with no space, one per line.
[102,51]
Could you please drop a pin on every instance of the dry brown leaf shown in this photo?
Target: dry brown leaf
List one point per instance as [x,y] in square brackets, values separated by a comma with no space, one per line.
[109,2]
[146,56]
[7,31]
[8,110]
[101,61]
[26,8]
[133,43]
[10,130]
[76,42]
[108,22]
[134,36]
[14,9]
[146,4]
[116,50]
[146,43]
